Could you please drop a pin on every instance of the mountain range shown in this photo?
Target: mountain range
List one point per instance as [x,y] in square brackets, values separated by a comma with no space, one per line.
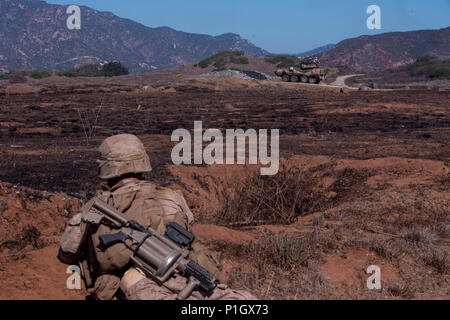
[34,35]
[388,50]
[316,51]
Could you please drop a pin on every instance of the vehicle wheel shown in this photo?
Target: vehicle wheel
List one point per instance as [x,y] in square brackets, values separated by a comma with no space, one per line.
[286,78]
[312,80]
[294,79]
[304,79]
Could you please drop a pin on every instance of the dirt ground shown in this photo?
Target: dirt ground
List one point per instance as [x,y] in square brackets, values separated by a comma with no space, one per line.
[399,79]
[364,180]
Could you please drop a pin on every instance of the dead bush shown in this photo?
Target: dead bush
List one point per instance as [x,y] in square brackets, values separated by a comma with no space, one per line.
[418,236]
[401,290]
[278,199]
[388,249]
[437,258]
[293,192]
[29,236]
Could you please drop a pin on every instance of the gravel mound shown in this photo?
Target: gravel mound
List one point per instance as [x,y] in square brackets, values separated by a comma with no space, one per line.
[246,75]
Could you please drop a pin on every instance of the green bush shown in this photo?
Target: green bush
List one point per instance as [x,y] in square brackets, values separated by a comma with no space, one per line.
[6,75]
[40,74]
[220,63]
[239,60]
[70,74]
[221,59]
[204,64]
[430,66]
[113,69]
[35,74]
[110,69]
[282,61]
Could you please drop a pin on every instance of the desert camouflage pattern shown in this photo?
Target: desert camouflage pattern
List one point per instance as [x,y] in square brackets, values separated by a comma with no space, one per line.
[147,289]
[307,71]
[122,154]
[150,205]
[142,201]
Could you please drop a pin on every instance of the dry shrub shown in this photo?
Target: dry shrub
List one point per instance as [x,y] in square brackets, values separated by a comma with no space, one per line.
[278,199]
[401,290]
[280,250]
[29,236]
[418,236]
[388,249]
[291,193]
[437,258]
[278,266]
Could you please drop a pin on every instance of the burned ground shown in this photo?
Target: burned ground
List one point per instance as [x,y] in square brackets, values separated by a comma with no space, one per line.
[48,140]
[368,177]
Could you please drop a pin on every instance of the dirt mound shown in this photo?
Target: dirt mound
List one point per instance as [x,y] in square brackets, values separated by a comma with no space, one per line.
[364,179]
[210,233]
[37,276]
[350,214]
[32,219]
[389,212]
[31,223]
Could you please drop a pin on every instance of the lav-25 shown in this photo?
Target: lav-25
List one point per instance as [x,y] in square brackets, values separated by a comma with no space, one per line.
[260,309]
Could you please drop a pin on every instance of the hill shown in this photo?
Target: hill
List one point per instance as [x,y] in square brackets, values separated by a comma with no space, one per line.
[34,35]
[318,50]
[388,50]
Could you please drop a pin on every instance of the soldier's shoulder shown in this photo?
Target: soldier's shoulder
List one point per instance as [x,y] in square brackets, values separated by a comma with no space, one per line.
[162,191]
[147,186]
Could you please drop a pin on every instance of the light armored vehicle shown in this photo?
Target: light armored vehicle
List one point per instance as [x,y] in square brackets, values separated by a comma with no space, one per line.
[307,71]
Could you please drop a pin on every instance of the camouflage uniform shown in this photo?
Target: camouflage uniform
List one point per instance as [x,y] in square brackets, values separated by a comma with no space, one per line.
[142,201]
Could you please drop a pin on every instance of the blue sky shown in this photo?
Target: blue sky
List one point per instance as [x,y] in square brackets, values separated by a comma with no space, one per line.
[288,26]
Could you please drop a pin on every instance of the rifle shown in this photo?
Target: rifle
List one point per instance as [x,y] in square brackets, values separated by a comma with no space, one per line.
[159,257]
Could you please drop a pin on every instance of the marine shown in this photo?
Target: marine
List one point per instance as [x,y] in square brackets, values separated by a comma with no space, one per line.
[108,273]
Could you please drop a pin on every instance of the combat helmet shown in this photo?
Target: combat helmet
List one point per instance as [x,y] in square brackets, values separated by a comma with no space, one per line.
[122,154]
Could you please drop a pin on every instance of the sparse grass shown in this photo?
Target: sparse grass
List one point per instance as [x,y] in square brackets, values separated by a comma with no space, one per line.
[387,249]
[281,250]
[20,76]
[278,266]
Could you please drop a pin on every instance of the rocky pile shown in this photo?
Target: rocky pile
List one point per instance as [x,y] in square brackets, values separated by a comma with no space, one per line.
[246,75]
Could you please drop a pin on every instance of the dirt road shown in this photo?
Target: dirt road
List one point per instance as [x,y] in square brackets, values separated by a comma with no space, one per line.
[340,81]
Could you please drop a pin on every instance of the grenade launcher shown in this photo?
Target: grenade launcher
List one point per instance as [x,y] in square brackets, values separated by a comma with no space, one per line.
[158,256]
